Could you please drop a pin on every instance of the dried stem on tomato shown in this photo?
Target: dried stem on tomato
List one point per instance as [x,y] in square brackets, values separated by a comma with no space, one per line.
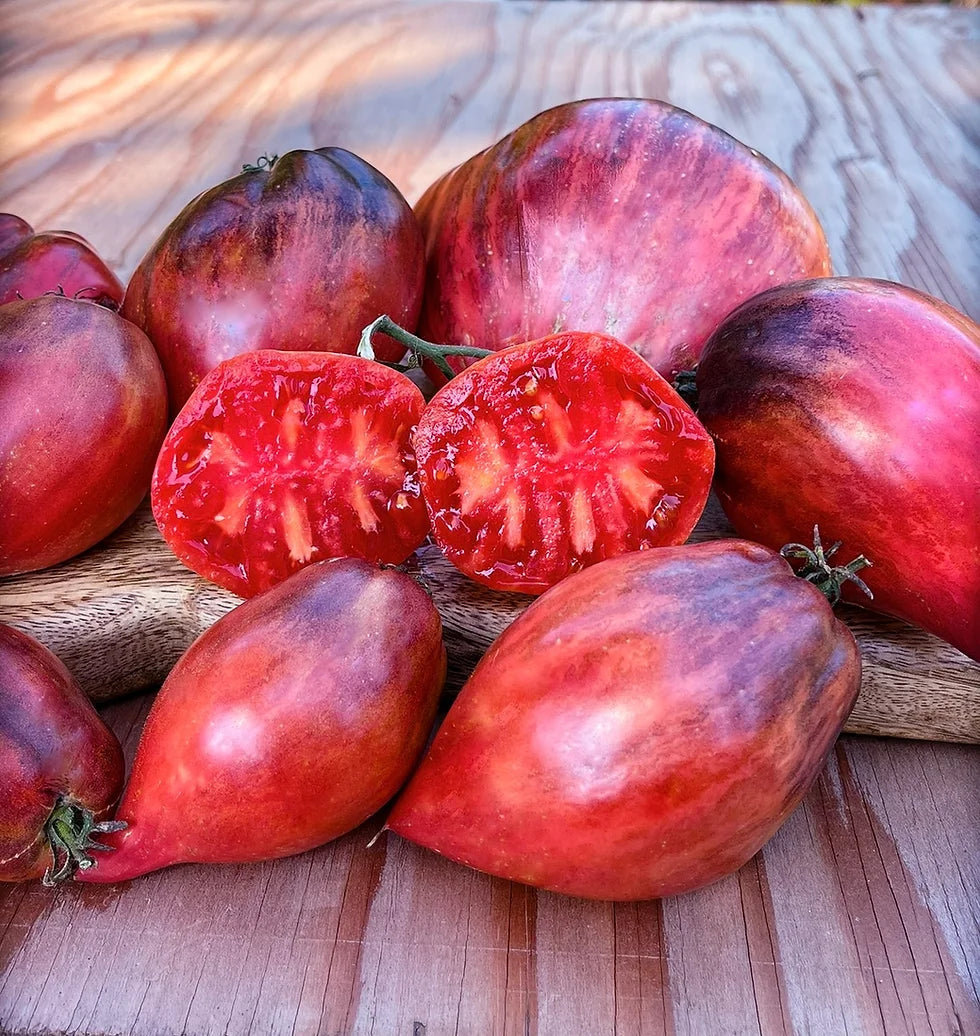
[69,830]
[816,568]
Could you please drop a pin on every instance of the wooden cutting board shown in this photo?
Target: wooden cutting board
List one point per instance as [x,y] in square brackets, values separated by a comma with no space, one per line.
[120,615]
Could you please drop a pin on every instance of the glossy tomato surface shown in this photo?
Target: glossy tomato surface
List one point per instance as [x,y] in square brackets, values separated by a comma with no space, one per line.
[855,404]
[617,215]
[288,723]
[280,459]
[56,261]
[53,747]
[642,729]
[298,256]
[84,408]
[552,455]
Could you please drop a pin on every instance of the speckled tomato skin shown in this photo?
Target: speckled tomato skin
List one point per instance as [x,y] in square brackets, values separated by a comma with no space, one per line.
[84,408]
[287,724]
[855,404]
[642,729]
[622,216]
[52,743]
[32,264]
[302,256]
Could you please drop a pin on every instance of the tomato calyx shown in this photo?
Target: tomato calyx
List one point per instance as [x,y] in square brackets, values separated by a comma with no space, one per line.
[69,830]
[262,162]
[816,568]
[419,348]
[685,384]
[100,298]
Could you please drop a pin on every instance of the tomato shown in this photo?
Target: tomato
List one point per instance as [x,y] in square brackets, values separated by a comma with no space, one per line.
[299,254]
[281,458]
[84,408]
[640,730]
[552,455]
[288,723]
[856,404]
[623,216]
[61,768]
[32,264]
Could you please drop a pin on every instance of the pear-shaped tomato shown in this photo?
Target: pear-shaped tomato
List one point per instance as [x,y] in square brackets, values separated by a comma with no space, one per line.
[856,404]
[619,215]
[642,729]
[288,723]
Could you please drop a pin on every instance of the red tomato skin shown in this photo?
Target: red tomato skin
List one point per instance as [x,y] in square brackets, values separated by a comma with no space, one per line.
[288,723]
[32,264]
[618,215]
[229,388]
[299,257]
[84,412]
[592,358]
[855,404]
[642,729]
[52,743]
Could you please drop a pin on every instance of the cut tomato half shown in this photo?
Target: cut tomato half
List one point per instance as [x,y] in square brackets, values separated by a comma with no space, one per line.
[550,456]
[280,459]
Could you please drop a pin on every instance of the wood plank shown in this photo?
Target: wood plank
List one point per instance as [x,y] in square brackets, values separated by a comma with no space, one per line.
[121,614]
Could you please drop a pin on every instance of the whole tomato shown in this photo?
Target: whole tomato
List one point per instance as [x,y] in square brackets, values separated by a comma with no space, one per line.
[622,216]
[549,456]
[61,768]
[287,724]
[856,404]
[84,408]
[283,458]
[642,729]
[56,260]
[295,254]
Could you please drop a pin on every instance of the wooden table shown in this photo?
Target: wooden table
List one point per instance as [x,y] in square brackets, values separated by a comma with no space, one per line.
[861,914]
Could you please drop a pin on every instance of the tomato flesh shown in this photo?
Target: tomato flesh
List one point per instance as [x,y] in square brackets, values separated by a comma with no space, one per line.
[550,456]
[282,459]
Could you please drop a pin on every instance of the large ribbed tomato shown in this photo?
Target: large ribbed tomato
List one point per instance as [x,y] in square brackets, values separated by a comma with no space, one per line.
[856,404]
[289,722]
[642,729]
[296,254]
[624,216]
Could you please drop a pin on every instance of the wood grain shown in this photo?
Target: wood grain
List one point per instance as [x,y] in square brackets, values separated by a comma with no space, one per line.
[860,915]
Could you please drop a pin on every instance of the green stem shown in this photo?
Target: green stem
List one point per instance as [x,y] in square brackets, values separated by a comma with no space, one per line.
[816,568]
[419,347]
[69,829]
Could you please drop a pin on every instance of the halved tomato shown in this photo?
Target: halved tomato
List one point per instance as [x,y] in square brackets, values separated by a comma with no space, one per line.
[549,456]
[280,459]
